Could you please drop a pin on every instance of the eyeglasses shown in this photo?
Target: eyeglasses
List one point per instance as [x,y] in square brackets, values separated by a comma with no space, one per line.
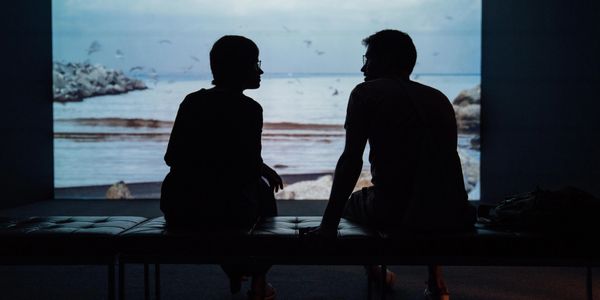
[258,64]
[364,59]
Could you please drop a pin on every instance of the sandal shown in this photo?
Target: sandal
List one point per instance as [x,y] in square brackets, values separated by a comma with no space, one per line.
[269,294]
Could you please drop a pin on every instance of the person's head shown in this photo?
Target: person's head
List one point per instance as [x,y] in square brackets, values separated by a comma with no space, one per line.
[390,53]
[234,63]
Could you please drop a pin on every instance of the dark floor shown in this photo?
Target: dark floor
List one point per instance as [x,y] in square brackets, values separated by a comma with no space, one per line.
[291,282]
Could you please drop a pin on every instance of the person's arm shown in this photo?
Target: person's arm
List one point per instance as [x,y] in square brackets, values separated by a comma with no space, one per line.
[275,181]
[177,149]
[349,164]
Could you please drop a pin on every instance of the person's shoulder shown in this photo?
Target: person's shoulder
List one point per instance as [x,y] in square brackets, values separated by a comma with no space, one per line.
[192,98]
[251,102]
[199,94]
[425,90]
[377,86]
[368,87]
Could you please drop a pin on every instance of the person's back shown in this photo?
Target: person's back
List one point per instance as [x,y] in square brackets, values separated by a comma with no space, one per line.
[411,129]
[216,136]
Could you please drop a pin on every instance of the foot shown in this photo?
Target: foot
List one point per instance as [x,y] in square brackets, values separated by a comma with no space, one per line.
[374,273]
[433,292]
[269,293]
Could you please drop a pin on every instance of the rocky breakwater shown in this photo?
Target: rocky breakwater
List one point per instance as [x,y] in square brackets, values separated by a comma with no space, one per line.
[467,108]
[77,81]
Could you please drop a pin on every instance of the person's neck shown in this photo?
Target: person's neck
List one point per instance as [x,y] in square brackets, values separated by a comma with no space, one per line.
[229,88]
[394,76]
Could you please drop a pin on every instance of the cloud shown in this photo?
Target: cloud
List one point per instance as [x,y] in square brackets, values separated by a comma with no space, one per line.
[418,14]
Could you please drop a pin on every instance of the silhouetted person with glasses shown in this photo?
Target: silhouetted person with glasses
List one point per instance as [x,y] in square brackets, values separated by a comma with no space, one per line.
[416,172]
[215,157]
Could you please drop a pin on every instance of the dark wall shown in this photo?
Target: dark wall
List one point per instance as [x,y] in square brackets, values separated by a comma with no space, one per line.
[540,75]
[26,154]
[540,96]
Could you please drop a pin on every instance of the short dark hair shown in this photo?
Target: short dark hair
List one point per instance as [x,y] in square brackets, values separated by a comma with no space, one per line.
[231,57]
[395,46]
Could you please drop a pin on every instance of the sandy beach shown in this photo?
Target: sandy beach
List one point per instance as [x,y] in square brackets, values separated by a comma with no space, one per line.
[151,190]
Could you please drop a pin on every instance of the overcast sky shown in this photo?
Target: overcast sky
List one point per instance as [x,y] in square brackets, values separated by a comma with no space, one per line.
[316,36]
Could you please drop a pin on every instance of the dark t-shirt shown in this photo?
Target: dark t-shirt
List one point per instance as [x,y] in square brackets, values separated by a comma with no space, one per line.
[411,130]
[214,155]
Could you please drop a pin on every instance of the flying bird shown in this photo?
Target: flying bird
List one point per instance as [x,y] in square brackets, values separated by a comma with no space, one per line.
[319,52]
[450,18]
[335,93]
[195,58]
[94,47]
[136,68]
[308,43]
[119,54]
[164,42]
[286,29]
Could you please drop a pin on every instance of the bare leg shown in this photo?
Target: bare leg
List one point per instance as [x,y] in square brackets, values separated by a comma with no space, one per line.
[375,272]
[436,287]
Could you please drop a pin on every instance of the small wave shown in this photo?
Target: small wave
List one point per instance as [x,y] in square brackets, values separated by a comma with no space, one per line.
[153,123]
[103,137]
[119,122]
[301,126]
[303,135]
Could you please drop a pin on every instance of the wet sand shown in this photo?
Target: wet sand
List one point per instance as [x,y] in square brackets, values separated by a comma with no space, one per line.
[149,190]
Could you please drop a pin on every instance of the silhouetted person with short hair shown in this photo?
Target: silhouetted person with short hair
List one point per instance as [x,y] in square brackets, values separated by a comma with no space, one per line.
[416,172]
[215,157]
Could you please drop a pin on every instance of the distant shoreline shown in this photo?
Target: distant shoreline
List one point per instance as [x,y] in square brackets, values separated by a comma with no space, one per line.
[149,190]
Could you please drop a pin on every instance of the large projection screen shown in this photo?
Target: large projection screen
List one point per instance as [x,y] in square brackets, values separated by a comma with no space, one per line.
[121,68]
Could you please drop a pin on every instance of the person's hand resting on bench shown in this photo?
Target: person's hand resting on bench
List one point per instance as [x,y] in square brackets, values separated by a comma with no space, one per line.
[275,181]
[318,232]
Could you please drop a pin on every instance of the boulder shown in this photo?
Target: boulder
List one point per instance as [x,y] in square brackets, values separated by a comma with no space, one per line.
[476,142]
[467,109]
[468,118]
[470,168]
[77,81]
[118,190]
[468,96]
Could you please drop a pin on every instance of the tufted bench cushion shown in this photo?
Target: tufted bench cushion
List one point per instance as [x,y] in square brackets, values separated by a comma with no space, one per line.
[418,248]
[484,246]
[63,236]
[279,240]
[154,239]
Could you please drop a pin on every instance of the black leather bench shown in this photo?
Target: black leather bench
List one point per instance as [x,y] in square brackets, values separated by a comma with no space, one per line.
[278,241]
[107,240]
[273,241]
[64,241]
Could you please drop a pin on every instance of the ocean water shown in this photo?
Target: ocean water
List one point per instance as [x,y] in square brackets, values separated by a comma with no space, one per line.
[110,138]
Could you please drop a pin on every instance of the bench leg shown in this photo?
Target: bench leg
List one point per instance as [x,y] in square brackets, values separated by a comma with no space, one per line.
[146,282]
[382,284]
[157,281]
[121,280]
[589,284]
[369,287]
[111,281]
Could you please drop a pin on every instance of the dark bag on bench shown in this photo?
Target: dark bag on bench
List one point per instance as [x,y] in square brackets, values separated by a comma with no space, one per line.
[567,209]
